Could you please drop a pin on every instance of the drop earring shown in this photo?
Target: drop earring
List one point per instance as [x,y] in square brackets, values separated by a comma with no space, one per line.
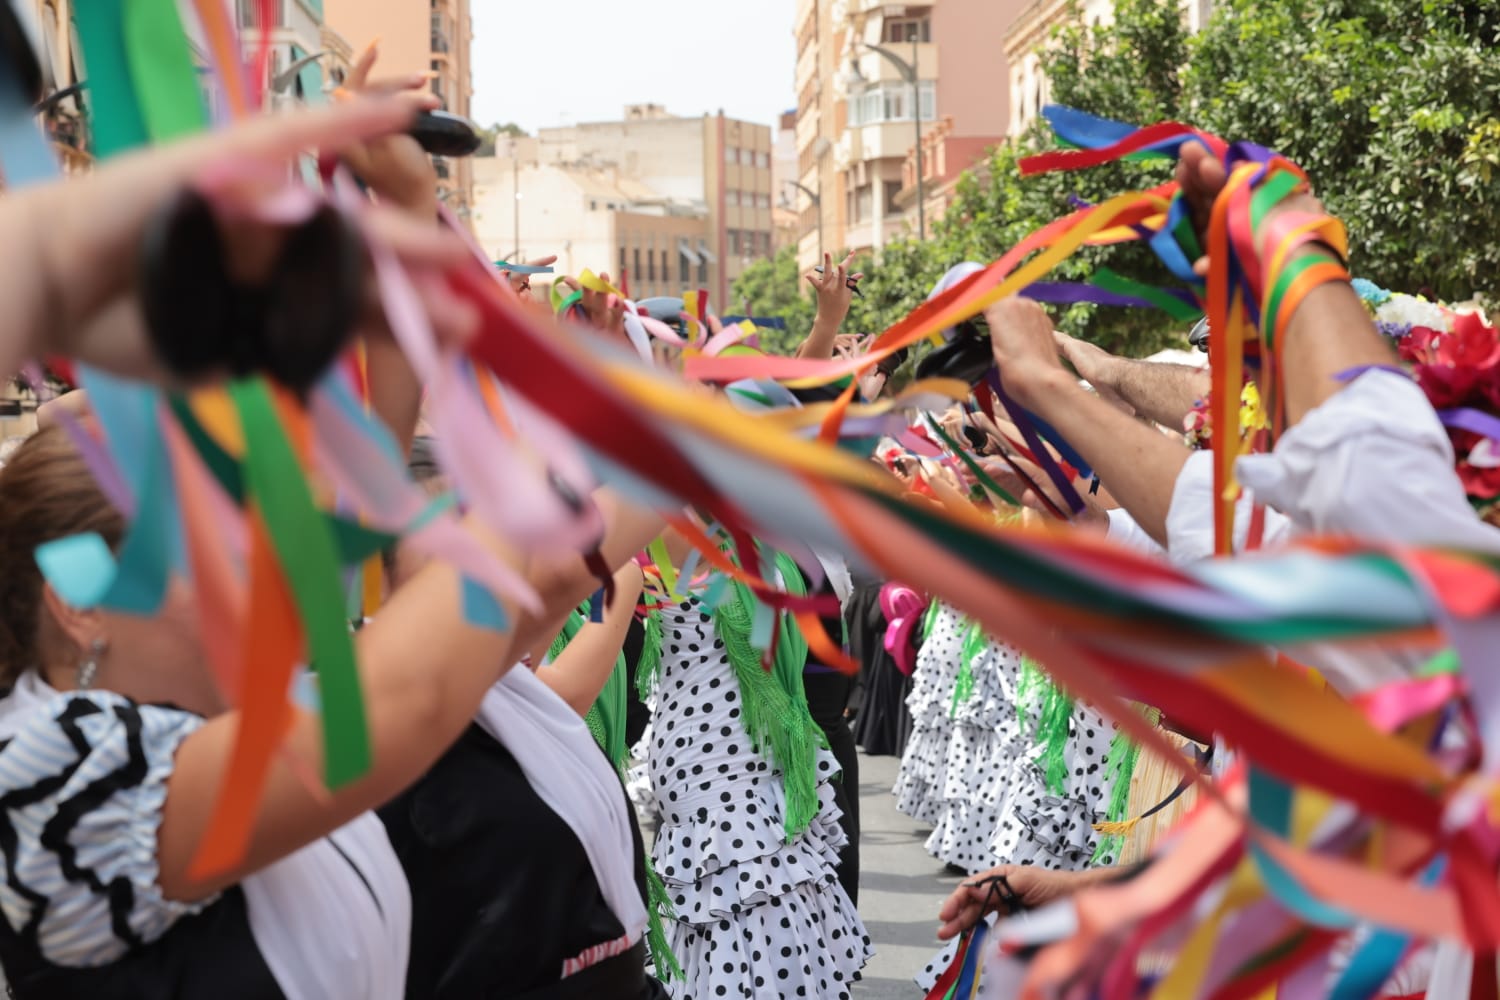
[89,668]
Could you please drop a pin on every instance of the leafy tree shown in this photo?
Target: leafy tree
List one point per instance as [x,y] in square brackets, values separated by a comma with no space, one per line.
[1393,109]
[1392,106]
[773,289]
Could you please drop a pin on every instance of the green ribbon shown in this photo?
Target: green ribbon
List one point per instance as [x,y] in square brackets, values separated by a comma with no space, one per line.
[308,555]
[115,115]
[1174,307]
[775,715]
[161,64]
[974,467]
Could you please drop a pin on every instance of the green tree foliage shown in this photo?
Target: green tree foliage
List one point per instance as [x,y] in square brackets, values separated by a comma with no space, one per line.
[772,288]
[1393,109]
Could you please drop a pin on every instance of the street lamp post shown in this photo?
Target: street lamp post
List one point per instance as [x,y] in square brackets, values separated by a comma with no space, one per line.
[909,74]
[515,186]
[817,204]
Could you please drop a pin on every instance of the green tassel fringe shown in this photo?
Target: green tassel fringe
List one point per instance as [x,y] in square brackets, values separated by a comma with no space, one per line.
[929,619]
[975,643]
[650,665]
[775,710]
[1119,768]
[659,908]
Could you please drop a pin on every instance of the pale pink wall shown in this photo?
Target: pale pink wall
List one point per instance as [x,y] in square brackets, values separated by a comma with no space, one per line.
[974,78]
[404,28]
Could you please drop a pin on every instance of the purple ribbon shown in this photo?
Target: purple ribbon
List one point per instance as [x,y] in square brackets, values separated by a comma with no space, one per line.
[1073,292]
[1350,374]
[1475,421]
[1043,457]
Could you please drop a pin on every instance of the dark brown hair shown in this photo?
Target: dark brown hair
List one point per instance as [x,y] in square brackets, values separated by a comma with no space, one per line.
[46,493]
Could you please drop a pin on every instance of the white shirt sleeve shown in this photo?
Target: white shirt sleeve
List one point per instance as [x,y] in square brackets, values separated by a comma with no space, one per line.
[1190,519]
[1372,462]
[1124,530]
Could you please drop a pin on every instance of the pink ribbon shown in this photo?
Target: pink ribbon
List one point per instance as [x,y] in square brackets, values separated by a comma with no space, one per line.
[902,608]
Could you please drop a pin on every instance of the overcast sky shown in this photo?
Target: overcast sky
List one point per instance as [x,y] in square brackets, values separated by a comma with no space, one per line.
[583,60]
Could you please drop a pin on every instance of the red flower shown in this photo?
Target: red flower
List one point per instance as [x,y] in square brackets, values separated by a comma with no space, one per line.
[1461,368]
[1479,482]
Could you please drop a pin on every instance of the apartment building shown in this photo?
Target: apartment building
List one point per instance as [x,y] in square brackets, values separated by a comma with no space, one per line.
[593,218]
[713,167]
[420,36]
[875,82]
[1028,35]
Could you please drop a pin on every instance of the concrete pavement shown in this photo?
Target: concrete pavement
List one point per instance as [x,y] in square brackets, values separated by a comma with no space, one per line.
[901,887]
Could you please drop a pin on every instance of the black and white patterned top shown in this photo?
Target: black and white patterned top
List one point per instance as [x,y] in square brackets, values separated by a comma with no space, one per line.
[83,780]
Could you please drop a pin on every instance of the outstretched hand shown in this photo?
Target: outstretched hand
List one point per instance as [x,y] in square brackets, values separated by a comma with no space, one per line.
[834,294]
[1201,177]
[1034,887]
[394,165]
[1094,365]
[1021,336]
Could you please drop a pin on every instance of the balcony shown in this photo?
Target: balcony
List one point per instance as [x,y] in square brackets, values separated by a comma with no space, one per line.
[866,236]
[880,142]
[875,68]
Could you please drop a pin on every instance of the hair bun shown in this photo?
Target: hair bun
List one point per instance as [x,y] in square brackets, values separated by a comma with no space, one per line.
[204,324]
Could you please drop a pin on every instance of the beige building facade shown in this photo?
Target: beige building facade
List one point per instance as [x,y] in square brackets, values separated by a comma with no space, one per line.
[420,36]
[860,116]
[714,168]
[593,219]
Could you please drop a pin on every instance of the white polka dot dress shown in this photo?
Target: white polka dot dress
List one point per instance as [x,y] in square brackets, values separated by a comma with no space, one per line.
[924,762]
[757,916]
[1039,826]
[984,742]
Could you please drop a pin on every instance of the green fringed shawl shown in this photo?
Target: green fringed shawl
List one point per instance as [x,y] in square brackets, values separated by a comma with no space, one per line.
[975,643]
[606,722]
[776,715]
[1052,732]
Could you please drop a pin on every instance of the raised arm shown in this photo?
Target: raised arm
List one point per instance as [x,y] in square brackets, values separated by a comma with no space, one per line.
[71,286]
[1138,463]
[578,673]
[834,299]
[423,670]
[1158,391]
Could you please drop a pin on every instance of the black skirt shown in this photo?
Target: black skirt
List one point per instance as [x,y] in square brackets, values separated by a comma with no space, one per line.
[502,891]
[882,723]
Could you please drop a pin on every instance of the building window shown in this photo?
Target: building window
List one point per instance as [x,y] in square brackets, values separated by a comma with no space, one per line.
[650,266]
[734,242]
[636,259]
[622,262]
[864,203]
[733,199]
[732,156]
[703,271]
[593,206]
[684,269]
[763,160]
[891,102]
[905,29]
[666,269]
[892,188]
[764,200]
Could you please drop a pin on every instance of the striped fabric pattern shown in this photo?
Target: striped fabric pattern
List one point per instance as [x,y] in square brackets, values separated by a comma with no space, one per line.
[82,784]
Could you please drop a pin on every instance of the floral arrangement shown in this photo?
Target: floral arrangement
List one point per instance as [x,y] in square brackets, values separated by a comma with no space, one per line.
[1396,314]
[1459,370]
[1197,426]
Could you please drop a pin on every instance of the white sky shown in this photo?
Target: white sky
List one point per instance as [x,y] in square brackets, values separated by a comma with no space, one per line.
[571,61]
